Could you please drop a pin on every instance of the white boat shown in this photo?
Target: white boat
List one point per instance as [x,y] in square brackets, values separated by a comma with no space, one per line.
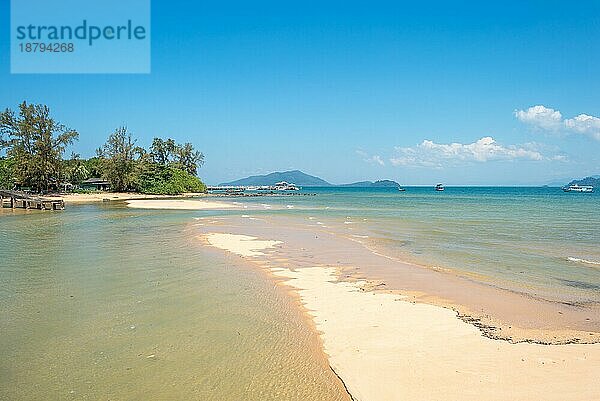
[578,188]
[439,187]
[285,186]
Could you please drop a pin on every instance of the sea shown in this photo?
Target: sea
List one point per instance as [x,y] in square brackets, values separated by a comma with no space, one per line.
[101,301]
[536,240]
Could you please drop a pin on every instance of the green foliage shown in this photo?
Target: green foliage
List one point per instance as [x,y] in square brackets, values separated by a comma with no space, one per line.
[188,159]
[168,169]
[6,173]
[118,160]
[35,142]
[93,166]
[160,180]
[169,153]
[75,170]
[163,151]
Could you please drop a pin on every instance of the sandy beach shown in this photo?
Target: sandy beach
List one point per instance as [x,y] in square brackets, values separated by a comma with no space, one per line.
[386,346]
[91,197]
[192,202]
[179,204]
[497,312]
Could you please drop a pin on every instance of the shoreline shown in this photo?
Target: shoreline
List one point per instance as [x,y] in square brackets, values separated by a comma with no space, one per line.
[93,197]
[497,312]
[293,297]
[383,345]
[179,204]
[99,196]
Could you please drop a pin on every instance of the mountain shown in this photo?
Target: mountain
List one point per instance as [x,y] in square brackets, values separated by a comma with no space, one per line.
[565,181]
[360,184]
[385,184]
[304,180]
[593,181]
[371,184]
[295,177]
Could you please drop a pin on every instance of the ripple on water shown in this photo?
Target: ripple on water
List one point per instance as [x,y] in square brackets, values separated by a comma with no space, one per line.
[106,303]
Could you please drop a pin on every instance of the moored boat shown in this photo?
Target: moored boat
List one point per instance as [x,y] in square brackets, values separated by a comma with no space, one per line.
[285,186]
[578,188]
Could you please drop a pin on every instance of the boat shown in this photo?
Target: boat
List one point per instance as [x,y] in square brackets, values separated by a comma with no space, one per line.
[578,188]
[439,187]
[285,186]
[401,189]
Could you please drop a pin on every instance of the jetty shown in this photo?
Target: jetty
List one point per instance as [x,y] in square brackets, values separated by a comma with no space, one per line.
[280,186]
[23,200]
[226,189]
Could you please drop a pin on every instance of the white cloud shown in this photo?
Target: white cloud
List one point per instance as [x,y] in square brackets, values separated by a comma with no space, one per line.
[584,124]
[541,117]
[374,159]
[431,154]
[377,159]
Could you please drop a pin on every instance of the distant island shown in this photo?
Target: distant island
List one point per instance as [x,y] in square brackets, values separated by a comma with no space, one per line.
[304,180]
[296,177]
[372,184]
[593,180]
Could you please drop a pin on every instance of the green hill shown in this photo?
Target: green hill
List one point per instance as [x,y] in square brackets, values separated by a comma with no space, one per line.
[593,181]
[371,184]
[304,180]
[295,177]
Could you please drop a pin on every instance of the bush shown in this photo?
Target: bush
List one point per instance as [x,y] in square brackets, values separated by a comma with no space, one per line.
[159,180]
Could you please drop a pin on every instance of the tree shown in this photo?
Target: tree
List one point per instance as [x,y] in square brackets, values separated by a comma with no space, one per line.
[75,170]
[188,159]
[93,166]
[6,173]
[157,179]
[35,143]
[168,153]
[162,151]
[118,157]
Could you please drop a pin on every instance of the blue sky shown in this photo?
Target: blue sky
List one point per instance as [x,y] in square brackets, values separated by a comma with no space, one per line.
[352,91]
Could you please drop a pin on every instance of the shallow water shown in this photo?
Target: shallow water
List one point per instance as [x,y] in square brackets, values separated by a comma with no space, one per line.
[540,241]
[105,302]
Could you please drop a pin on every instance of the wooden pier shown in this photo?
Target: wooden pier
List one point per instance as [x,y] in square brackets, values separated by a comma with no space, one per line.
[23,200]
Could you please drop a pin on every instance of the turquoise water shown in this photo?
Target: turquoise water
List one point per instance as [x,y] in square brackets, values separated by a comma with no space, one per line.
[540,240]
[104,302]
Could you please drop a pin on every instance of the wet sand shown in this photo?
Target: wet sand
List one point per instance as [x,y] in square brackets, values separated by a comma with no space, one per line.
[385,345]
[180,204]
[497,312]
[92,197]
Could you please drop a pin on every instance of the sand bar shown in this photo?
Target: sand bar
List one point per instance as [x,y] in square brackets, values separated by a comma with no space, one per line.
[91,197]
[242,245]
[497,312]
[386,348]
[180,204]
